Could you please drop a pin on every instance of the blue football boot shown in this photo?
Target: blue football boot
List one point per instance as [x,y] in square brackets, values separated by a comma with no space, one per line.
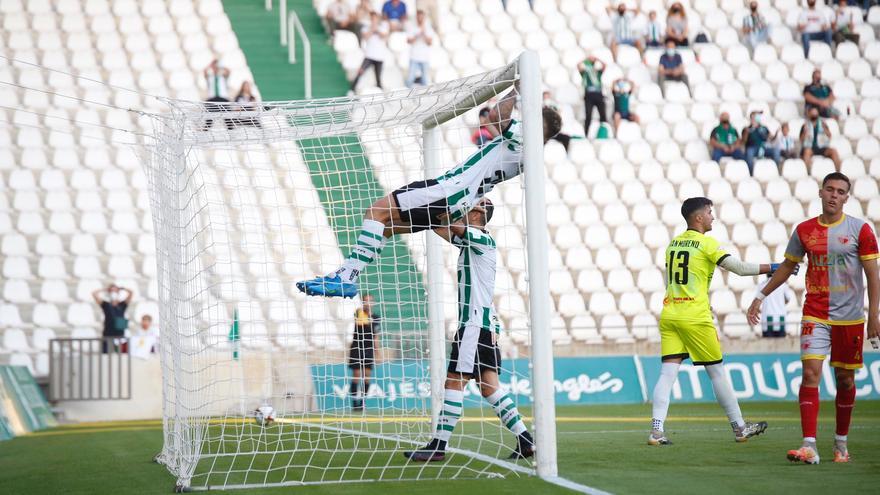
[328,286]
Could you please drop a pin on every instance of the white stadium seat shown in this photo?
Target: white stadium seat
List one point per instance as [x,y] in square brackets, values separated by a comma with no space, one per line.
[15,340]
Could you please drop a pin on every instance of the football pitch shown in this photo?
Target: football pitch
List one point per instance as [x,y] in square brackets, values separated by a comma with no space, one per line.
[599,446]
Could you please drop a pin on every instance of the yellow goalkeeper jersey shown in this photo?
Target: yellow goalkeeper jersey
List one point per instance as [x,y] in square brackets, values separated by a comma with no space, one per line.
[690,263]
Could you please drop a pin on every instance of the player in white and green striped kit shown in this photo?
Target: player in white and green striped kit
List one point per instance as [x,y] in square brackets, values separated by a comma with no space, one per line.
[475,352]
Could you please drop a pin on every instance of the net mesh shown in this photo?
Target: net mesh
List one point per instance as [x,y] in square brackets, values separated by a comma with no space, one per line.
[248,201]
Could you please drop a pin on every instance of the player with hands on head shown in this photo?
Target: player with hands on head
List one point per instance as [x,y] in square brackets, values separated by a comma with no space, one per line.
[838,248]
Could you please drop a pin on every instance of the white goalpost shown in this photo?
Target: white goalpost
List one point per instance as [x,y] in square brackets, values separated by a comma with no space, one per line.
[257,391]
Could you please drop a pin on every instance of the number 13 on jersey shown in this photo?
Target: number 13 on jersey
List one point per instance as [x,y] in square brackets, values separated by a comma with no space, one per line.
[677,267]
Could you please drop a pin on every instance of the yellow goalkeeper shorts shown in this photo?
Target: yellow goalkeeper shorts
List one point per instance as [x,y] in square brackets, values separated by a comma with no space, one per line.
[695,339]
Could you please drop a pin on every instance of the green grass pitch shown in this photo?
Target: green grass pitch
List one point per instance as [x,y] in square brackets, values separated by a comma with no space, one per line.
[599,446]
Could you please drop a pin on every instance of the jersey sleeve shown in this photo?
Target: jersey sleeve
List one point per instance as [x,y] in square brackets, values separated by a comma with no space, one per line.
[868,249]
[474,237]
[795,249]
[712,250]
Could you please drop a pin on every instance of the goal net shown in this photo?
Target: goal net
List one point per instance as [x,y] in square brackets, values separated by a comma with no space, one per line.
[257,388]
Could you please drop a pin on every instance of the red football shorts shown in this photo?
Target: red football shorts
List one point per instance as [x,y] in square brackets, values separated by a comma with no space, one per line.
[843,342]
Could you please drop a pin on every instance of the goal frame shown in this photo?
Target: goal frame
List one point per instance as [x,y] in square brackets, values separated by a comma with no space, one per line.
[168,153]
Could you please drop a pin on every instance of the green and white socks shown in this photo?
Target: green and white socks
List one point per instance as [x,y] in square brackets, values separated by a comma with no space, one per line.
[501,402]
[449,416]
[370,242]
[507,412]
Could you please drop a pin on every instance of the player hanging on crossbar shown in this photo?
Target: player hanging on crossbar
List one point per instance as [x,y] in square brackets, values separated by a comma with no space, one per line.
[475,352]
[426,204]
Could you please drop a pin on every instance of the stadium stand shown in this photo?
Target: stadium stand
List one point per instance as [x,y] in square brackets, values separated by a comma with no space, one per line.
[74,210]
[653,165]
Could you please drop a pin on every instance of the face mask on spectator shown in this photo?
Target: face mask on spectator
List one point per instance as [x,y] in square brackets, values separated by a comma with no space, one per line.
[670,51]
[758,118]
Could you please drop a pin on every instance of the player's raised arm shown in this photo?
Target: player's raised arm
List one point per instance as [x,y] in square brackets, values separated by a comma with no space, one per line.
[499,116]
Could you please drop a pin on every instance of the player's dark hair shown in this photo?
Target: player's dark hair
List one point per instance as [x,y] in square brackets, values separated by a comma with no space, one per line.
[490,209]
[837,176]
[693,205]
[552,121]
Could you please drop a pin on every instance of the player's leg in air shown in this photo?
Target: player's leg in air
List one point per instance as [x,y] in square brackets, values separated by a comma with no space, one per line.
[698,341]
[381,221]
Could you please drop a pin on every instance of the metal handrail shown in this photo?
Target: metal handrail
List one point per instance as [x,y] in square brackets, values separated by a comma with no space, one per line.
[89,369]
[282,19]
[293,23]
[290,23]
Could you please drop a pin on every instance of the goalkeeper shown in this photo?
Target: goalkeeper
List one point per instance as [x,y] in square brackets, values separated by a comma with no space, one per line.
[427,204]
[475,352]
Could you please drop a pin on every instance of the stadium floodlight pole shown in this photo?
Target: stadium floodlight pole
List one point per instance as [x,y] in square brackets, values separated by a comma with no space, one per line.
[537,244]
[434,262]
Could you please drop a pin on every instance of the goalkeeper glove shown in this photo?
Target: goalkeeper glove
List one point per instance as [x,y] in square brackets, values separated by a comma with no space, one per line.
[775,266]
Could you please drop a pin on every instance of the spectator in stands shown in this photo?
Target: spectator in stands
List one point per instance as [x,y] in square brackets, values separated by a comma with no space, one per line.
[755,28]
[217,78]
[623,32]
[622,90]
[724,140]
[677,25]
[654,31]
[550,103]
[757,140]
[486,131]
[671,66]
[844,23]
[816,140]
[591,70]
[394,13]
[247,101]
[814,25]
[420,37]
[785,144]
[375,36]
[819,95]
[147,329]
[339,16]
[113,300]
[362,17]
